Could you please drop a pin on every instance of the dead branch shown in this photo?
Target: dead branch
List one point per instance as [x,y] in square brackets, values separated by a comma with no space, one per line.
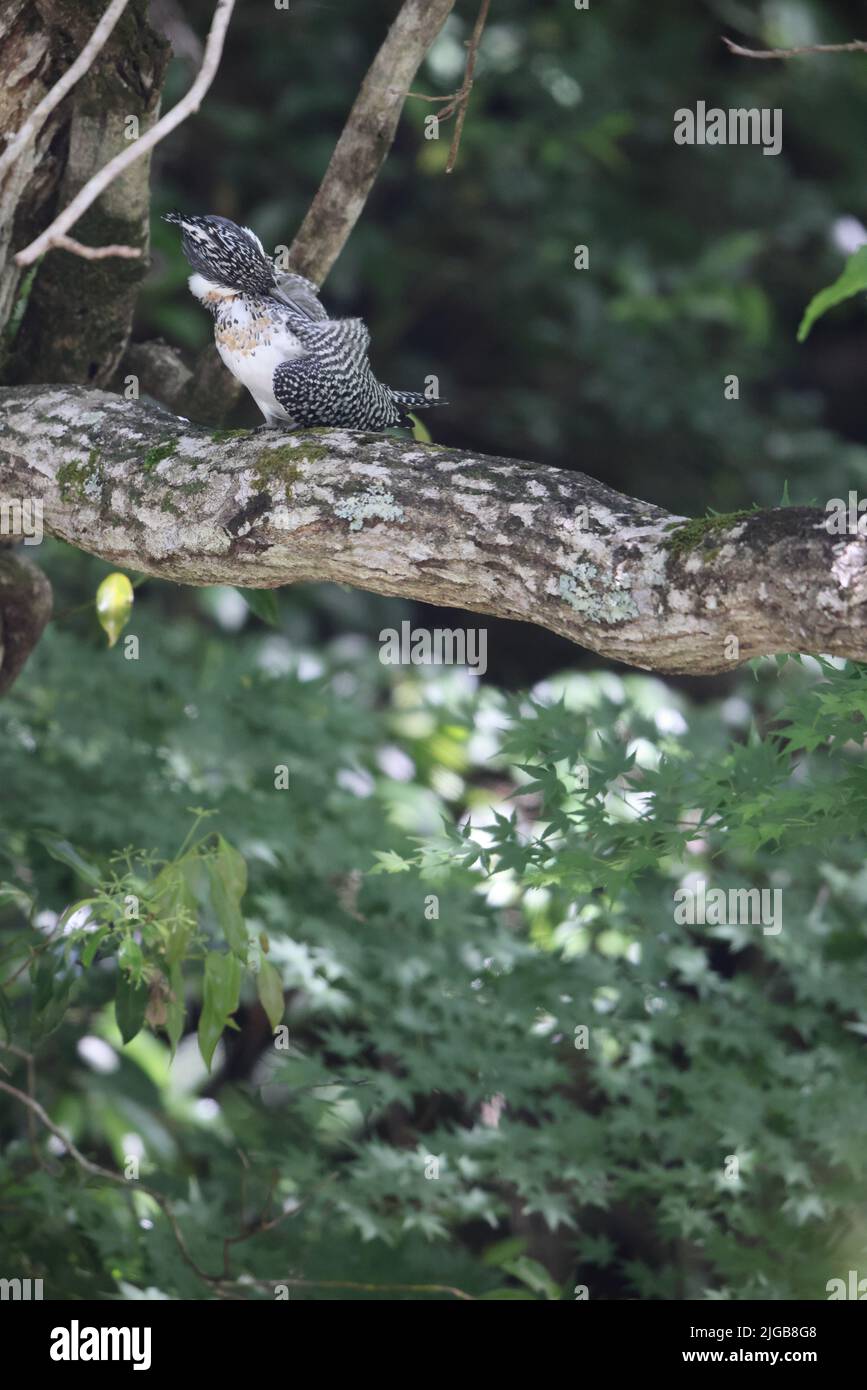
[856,46]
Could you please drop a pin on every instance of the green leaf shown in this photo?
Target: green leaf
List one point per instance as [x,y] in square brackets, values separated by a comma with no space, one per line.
[130,1004]
[114,600]
[228,878]
[173,890]
[12,896]
[175,1007]
[220,995]
[390,862]
[233,868]
[66,916]
[534,1275]
[5,1016]
[504,1251]
[173,897]
[67,854]
[94,941]
[53,980]
[553,1206]
[420,430]
[262,602]
[269,986]
[852,281]
[130,956]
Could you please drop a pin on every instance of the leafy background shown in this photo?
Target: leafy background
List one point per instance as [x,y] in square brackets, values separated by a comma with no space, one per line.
[440,1037]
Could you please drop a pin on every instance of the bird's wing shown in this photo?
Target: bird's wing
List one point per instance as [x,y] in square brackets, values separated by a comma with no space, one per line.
[300,295]
[337,342]
[331,383]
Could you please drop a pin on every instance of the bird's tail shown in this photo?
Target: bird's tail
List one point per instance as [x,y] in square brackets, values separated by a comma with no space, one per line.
[414,400]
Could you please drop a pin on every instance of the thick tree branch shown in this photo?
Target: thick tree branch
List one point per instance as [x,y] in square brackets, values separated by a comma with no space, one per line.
[147,491]
[367,138]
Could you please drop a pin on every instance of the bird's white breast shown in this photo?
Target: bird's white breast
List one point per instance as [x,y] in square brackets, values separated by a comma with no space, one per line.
[251,340]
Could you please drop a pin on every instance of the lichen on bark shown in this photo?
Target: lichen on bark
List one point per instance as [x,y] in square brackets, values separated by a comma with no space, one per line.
[146,490]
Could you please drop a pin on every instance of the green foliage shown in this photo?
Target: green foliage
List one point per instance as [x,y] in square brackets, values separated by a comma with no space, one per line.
[508,1068]
[262,602]
[852,281]
[221,995]
[269,986]
[455,884]
[152,917]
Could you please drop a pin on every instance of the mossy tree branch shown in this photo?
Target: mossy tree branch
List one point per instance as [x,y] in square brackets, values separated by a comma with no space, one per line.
[147,491]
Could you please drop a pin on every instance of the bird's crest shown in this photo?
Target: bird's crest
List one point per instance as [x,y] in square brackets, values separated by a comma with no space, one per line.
[225,253]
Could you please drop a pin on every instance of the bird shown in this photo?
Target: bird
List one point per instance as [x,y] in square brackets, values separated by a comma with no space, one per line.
[302,368]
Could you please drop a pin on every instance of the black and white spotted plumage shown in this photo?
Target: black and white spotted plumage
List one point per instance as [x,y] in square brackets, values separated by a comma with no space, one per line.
[226,254]
[273,333]
[331,382]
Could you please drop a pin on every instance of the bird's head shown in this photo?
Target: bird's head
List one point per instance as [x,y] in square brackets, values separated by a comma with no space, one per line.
[224,253]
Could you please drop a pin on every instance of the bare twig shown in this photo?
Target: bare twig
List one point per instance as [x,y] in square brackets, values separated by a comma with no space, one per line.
[68,243]
[459,101]
[95,1170]
[94,253]
[40,113]
[451,100]
[97,185]
[262,1226]
[216,1282]
[364,1288]
[43,945]
[467,85]
[30,1060]
[856,46]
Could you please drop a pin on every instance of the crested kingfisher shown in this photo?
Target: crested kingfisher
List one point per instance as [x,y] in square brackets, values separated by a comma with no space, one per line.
[301,367]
